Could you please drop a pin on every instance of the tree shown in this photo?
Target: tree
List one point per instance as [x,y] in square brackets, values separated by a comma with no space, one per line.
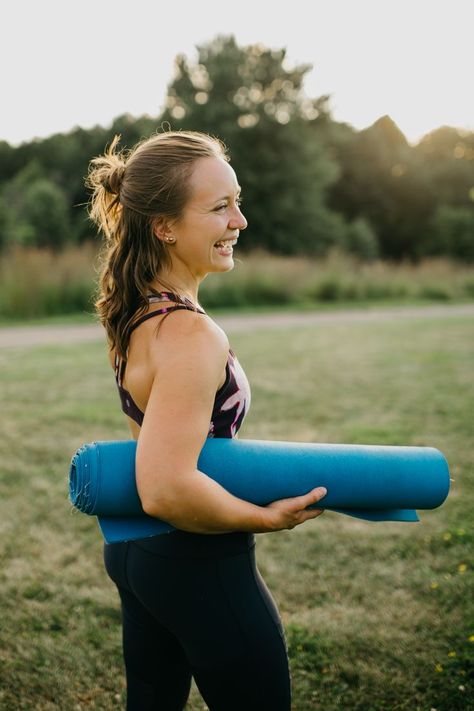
[453,232]
[361,240]
[46,211]
[309,182]
[255,103]
[446,157]
[380,182]
[34,210]
[4,222]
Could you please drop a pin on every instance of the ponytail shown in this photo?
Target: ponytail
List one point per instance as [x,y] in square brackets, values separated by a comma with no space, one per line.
[131,191]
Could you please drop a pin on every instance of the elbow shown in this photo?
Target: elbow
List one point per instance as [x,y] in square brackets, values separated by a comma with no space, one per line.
[158,507]
[150,498]
[150,507]
[160,500]
[154,503]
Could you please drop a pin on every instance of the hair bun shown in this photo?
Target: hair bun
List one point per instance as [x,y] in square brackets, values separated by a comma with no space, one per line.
[113,181]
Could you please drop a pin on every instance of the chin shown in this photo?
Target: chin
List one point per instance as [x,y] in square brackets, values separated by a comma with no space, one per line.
[226,266]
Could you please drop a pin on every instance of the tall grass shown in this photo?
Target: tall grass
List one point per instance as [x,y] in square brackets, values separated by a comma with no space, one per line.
[263,278]
[35,283]
[40,282]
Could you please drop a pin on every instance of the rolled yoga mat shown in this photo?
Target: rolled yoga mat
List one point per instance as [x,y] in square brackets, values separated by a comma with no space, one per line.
[371,482]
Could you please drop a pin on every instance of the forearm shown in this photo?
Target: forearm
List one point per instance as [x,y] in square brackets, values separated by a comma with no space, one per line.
[198,504]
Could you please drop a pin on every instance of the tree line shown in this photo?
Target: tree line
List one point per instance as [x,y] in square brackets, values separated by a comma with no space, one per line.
[310,183]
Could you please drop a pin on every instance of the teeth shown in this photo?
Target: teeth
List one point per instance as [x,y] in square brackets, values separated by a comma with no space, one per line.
[225,242]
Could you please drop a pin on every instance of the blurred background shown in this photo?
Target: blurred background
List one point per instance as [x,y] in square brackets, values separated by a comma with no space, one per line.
[350,127]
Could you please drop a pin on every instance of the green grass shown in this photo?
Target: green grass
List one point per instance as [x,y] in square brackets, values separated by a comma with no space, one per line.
[377,616]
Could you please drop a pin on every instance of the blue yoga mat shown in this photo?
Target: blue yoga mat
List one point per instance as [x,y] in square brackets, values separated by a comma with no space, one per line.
[371,482]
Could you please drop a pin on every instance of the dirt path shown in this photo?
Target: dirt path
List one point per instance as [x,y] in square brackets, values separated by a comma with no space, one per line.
[38,335]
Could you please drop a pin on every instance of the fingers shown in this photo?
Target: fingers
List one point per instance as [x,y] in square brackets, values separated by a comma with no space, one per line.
[315,495]
[291,512]
[303,502]
[308,515]
[315,512]
[306,512]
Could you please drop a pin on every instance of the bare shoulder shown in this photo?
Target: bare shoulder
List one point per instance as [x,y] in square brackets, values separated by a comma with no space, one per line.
[185,333]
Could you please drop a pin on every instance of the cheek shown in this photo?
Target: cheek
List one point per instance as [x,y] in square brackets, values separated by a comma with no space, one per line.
[203,235]
[214,229]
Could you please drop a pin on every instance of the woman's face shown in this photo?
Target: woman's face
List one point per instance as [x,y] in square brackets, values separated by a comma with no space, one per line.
[211,215]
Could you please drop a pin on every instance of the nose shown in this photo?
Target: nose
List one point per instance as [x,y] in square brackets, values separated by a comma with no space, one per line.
[238,220]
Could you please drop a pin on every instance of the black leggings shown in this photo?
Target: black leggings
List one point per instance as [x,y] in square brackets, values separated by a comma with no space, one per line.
[195,605]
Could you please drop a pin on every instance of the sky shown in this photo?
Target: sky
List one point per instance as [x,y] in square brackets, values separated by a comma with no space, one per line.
[65,64]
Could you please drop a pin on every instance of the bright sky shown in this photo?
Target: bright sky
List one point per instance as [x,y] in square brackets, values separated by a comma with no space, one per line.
[67,63]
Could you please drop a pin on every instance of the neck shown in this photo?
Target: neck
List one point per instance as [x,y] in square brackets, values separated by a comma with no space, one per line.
[177,286]
[179,278]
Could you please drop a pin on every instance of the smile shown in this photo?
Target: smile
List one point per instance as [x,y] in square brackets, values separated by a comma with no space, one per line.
[225,246]
[226,242]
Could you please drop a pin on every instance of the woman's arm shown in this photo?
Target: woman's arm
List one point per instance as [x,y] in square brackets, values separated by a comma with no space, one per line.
[187,363]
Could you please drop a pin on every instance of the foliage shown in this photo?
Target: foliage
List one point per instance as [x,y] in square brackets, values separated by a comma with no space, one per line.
[310,183]
[361,240]
[256,105]
[453,231]
[397,188]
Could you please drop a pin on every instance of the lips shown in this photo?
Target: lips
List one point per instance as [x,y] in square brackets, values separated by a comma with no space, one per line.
[226,242]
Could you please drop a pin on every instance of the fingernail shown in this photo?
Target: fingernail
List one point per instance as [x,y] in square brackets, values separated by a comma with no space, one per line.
[322,491]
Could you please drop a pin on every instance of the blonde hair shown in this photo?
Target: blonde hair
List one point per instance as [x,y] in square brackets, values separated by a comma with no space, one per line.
[131,192]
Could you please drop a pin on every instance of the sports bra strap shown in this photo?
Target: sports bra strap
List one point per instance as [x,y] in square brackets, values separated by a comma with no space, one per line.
[151,314]
[120,364]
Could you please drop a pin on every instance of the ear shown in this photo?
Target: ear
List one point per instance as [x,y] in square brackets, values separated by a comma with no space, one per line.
[161,229]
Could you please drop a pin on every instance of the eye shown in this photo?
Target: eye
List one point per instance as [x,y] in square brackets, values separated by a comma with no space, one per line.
[222,207]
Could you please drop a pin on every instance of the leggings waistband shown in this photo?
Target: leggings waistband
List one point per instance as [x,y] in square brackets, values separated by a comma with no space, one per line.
[184,544]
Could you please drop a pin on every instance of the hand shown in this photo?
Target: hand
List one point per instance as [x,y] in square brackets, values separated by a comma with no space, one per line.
[288,513]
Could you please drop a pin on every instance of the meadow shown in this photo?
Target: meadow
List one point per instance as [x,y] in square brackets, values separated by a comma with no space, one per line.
[377,616]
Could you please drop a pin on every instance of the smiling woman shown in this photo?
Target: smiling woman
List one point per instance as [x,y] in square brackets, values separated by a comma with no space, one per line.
[209,220]
[194,602]
[166,209]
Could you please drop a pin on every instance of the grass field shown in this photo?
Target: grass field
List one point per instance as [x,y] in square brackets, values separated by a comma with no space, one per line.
[377,616]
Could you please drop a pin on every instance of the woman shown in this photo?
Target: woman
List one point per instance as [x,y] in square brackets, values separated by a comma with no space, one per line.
[193,601]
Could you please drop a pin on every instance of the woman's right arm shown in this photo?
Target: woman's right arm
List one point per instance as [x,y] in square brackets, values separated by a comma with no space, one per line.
[187,363]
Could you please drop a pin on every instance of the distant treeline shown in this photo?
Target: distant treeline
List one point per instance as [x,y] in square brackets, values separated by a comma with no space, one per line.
[310,184]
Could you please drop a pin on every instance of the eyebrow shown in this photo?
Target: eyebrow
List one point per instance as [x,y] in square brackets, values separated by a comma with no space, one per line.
[227,197]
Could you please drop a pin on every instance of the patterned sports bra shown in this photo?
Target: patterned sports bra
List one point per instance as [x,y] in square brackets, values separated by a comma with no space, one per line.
[233,398]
